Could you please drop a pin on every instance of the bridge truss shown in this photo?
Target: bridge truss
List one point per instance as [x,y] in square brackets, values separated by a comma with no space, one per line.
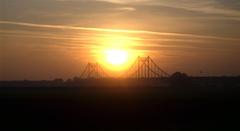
[93,71]
[142,68]
[145,68]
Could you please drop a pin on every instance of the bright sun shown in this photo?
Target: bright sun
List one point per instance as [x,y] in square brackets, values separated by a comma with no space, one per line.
[116,52]
[116,56]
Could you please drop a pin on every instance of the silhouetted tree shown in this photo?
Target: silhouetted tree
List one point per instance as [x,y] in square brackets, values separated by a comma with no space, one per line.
[76,79]
[179,75]
[180,79]
[69,81]
[58,80]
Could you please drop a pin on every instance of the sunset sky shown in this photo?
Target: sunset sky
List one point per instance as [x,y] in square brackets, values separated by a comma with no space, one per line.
[47,39]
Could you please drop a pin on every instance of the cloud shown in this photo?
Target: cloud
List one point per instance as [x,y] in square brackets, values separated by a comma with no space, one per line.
[124,1]
[125,9]
[220,7]
[205,6]
[116,30]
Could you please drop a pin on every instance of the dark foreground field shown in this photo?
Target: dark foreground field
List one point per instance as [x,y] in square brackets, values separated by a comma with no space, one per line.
[121,105]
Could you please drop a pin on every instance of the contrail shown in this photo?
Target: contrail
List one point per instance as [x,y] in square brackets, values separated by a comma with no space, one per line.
[114,30]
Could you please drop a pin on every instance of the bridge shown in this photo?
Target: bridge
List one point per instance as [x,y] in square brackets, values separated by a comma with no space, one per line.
[142,68]
[93,71]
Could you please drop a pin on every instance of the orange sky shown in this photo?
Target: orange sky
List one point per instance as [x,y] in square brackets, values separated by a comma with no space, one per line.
[47,39]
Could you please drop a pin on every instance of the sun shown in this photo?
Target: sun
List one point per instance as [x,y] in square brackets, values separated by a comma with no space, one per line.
[115,53]
[116,57]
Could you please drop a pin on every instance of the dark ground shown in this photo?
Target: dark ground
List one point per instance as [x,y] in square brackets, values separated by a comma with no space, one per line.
[202,104]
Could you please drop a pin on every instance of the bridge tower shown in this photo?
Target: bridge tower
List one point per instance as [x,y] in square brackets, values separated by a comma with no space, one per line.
[145,68]
[93,71]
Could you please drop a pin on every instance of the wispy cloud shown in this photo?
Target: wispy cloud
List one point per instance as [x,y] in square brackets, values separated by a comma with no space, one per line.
[219,7]
[125,1]
[125,9]
[205,6]
[116,30]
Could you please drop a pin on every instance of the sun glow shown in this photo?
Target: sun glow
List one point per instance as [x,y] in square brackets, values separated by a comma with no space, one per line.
[116,56]
[116,59]
[116,52]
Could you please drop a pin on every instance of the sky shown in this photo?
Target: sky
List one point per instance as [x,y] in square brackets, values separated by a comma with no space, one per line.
[47,39]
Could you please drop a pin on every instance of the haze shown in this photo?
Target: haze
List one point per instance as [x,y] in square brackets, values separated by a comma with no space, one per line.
[47,39]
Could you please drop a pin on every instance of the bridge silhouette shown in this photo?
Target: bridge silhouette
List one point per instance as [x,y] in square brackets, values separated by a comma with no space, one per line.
[142,68]
[94,71]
